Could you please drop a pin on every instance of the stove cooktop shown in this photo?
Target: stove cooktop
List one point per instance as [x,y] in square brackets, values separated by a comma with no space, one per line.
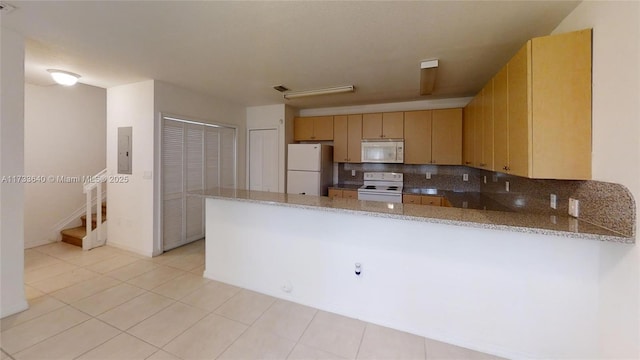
[381,188]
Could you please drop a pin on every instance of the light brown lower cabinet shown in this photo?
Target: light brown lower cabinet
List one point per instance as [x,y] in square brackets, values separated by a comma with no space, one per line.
[431,200]
[422,199]
[340,193]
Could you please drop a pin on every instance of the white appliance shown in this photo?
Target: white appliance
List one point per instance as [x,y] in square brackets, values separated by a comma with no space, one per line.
[383,151]
[382,186]
[309,169]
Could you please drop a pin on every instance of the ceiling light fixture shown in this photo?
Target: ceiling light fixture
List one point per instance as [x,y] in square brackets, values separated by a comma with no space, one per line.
[428,69]
[62,77]
[326,91]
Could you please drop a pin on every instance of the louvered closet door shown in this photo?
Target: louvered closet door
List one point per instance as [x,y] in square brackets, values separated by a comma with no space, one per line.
[172,183]
[212,157]
[194,157]
[195,160]
[227,157]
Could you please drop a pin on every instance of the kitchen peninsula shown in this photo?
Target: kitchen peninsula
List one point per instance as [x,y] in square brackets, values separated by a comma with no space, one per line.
[444,273]
[499,220]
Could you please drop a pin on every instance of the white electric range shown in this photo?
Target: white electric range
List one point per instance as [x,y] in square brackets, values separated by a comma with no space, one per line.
[382,186]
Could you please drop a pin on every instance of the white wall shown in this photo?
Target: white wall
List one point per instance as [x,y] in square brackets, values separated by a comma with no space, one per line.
[511,294]
[134,207]
[130,205]
[12,299]
[616,157]
[67,124]
[171,99]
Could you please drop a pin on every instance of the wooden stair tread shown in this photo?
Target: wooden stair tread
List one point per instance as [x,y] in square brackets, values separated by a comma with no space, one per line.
[75,235]
[78,232]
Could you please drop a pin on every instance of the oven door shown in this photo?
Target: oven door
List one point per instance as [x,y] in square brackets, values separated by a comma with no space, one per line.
[384,196]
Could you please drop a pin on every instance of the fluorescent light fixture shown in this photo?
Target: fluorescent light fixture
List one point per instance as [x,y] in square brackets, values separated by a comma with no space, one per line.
[428,69]
[62,77]
[316,92]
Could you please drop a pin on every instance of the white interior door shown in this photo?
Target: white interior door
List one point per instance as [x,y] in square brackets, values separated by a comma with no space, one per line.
[263,160]
[194,157]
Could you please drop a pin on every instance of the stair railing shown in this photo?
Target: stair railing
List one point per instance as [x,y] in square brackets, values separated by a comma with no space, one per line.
[98,236]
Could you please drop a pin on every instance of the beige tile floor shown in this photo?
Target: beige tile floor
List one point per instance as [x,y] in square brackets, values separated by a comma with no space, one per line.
[111,304]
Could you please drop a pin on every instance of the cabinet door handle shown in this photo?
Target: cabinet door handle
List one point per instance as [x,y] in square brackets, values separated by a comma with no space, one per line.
[467,162]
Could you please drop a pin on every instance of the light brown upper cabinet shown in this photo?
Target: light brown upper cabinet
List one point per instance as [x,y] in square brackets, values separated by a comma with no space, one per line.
[313,128]
[500,120]
[481,116]
[348,138]
[446,137]
[433,137]
[383,126]
[478,136]
[467,136]
[548,109]
[518,115]
[417,139]
[487,127]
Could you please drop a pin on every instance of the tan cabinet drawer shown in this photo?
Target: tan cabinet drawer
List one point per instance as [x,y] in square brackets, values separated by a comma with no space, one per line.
[411,199]
[431,200]
[350,194]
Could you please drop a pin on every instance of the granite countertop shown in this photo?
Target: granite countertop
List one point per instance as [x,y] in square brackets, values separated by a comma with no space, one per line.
[345,186]
[488,219]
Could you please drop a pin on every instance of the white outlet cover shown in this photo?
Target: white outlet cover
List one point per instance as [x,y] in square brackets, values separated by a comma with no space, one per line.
[427,175]
[465,177]
[553,201]
[574,207]
[506,186]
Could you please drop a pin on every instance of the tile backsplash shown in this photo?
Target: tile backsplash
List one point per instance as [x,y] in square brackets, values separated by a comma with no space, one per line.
[604,204]
[442,177]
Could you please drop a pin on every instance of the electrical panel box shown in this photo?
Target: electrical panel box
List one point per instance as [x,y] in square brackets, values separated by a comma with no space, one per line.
[124,150]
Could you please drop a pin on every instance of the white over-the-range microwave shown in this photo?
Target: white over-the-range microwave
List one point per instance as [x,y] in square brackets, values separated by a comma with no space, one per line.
[383,151]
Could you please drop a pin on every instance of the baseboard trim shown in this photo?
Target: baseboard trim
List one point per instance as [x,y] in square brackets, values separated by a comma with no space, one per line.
[14,308]
[33,244]
[129,248]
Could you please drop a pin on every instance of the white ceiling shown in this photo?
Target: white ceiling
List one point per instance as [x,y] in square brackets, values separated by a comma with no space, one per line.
[237,51]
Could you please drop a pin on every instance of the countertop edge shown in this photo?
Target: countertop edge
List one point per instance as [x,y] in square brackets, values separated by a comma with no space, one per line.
[502,227]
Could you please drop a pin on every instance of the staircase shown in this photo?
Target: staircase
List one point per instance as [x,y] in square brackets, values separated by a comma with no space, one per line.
[75,235]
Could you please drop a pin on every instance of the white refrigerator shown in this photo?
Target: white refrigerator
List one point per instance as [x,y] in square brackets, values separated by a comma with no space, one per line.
[309,169]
